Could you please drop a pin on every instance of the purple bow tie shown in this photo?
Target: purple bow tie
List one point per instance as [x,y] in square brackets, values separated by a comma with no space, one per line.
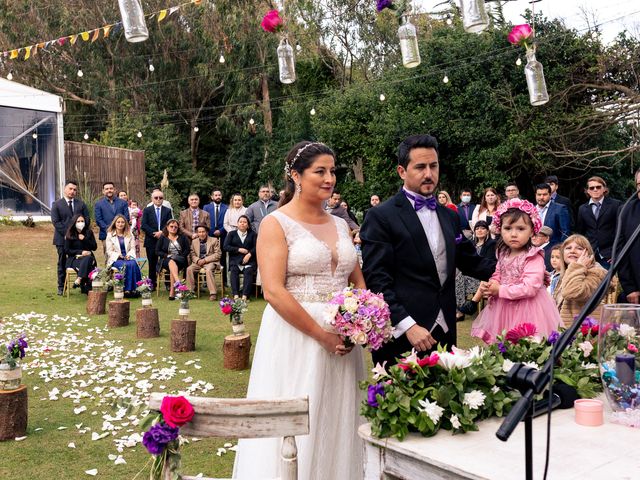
[419,202]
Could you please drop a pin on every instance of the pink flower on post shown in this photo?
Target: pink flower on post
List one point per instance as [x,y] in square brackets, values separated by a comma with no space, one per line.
[272,22]
[520,34]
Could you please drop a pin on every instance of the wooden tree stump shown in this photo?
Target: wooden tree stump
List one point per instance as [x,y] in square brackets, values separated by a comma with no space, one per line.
[183,335]
[236,349]
[147,323]
[13,413]
[118,313]
[96,302]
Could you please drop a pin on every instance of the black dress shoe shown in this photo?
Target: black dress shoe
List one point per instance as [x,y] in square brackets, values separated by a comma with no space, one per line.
[60,291]
[171,299]
[76,285]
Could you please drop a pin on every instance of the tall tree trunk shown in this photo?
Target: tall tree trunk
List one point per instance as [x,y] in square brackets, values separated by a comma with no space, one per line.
[266,102]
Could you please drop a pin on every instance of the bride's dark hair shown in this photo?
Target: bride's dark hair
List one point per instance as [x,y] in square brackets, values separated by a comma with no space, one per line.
[299,158]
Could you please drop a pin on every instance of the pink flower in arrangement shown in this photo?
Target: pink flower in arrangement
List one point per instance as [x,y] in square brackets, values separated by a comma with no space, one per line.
[520,34]
[523,330]
[226,310]
[272,21]
[632,348]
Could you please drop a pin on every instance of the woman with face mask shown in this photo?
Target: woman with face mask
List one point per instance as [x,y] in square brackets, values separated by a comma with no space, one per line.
[79,245]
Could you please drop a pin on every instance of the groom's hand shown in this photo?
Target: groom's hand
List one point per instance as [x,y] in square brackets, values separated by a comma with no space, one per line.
[420,338]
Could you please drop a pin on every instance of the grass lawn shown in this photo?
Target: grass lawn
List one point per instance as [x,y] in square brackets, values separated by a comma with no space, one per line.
[77,369]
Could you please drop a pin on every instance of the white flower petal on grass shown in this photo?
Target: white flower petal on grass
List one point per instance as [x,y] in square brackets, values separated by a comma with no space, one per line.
[38,429]
[62,428]
[19,439]
[432,409]
[98,436]
[79,410]
[93,472]
[120,460]
[221,451]
[112,457]
[455,421]
[228,445]
[71,445]
[474,399]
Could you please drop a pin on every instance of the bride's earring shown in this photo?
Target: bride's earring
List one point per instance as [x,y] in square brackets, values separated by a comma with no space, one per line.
[298,189]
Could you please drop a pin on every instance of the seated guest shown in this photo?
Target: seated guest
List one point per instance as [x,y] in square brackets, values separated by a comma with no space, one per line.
[241,246]
[121,251]
[79,245]
[581,275]
[172,250]
[205,253]
[135,220]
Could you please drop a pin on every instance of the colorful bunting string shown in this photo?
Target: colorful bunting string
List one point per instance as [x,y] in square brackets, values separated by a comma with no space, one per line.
[93,35]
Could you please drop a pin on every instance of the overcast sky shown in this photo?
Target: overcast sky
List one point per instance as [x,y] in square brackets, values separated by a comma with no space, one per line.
[614,15]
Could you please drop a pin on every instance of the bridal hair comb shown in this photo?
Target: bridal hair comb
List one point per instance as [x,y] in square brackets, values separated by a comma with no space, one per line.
[288,167]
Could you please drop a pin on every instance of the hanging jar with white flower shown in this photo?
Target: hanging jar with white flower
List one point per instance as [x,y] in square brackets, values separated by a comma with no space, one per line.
[536,84]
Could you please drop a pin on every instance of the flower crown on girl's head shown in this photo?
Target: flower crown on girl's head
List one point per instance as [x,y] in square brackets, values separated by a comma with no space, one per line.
[522,205]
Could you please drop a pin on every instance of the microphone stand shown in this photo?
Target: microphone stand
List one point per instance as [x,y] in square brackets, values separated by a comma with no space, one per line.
[531,382]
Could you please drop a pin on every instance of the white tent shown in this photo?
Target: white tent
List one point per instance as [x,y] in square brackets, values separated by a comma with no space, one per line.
[31,150]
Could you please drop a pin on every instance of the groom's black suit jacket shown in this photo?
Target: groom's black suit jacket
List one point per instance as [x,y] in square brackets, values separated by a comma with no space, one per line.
[397,261]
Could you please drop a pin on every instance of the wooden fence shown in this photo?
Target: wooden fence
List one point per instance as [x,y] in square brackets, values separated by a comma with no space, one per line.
[92,165]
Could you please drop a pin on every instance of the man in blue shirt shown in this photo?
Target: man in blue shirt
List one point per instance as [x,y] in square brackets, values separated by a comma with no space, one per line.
[107,208]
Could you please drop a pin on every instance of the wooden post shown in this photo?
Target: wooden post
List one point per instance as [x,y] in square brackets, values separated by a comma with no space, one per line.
[96,302]
[236,350]
[147,323]
[183,335]
[13,413]
[118,313]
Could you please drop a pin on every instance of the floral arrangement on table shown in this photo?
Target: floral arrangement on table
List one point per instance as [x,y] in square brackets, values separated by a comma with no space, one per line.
[454,390]
[163,440]
[15,351]
[361,317]
[144,286]
[117,279]
[183,292]
[98,276]
[619,364]
[235,308]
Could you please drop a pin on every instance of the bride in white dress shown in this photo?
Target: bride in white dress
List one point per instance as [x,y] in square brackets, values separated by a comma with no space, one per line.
[304,255]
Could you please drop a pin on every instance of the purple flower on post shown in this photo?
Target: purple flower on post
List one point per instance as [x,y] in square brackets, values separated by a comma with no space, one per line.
[158,436]
[553,337]
[118,276]
[372,391]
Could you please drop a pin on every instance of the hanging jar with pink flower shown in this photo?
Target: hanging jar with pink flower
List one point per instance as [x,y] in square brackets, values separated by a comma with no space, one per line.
[272,22]
[534,73]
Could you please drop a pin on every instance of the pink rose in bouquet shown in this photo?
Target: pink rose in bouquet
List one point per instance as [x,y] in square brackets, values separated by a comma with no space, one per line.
[361,317]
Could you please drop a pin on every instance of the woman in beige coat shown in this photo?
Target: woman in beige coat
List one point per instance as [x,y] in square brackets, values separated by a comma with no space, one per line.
[579,279]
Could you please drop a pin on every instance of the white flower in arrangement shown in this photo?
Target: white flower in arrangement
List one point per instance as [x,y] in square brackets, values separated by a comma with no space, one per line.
[627,330]
[586,347]
[460,359]
[359,338]
[588,365]
[507,364]
[379,371]
[473,353]
[495,389]
[332,311]
[533,365]
[432,409]
[351,304]
[474,399]
[455,422]
[413,358]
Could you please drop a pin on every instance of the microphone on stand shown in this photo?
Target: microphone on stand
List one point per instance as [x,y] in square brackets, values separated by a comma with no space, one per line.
[563,397]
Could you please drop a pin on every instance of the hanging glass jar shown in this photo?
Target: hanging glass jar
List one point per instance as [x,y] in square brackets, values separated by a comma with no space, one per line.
[133,23]
[535,79]
[408,43]
[286,61]
[474,16]
[10,376]
[183,311]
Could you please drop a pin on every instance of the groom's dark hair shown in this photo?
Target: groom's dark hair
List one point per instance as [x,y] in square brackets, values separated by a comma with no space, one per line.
[415,141]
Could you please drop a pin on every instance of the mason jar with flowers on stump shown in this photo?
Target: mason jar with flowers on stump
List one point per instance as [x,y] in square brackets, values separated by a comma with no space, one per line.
[10,368]
[235,309]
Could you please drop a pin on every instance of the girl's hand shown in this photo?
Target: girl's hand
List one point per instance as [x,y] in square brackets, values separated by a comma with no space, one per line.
[585,259]
[490,288]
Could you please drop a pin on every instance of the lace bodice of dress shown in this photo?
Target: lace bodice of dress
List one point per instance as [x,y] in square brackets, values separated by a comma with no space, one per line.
[511,269]
[310,274]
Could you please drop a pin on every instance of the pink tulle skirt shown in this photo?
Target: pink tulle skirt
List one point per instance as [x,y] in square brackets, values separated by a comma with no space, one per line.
[502,314]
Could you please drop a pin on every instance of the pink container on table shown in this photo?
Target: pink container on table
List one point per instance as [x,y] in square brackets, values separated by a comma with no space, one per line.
[589,412]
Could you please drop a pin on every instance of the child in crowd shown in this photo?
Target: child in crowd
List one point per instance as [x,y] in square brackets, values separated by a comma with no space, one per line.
[516,291]
[556,263]
[135,215]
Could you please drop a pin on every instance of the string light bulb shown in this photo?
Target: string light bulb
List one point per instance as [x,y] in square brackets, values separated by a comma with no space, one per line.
[139,134]
[86,135]
[80,72]
[449,21]
[221,59]
[10,75]
[35,135]
[445,79]
[519,61]
[313,111]
[298,47]
[252,121]
[196,129]
[151,67]
[382,97]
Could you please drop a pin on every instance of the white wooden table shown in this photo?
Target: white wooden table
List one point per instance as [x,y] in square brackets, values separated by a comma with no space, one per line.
[607,452]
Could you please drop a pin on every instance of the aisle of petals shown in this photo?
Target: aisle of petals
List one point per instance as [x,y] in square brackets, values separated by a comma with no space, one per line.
[108,384]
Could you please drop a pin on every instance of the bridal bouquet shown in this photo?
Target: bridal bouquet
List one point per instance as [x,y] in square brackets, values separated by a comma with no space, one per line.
[362,317]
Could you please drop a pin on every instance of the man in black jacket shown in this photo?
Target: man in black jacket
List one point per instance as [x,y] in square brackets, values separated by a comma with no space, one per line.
[411,248]
[598,218]
[62,211]
[629,273]
[154,218]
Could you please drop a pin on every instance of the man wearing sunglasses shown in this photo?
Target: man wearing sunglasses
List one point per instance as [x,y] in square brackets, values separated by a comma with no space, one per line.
[154,218]
[597,219]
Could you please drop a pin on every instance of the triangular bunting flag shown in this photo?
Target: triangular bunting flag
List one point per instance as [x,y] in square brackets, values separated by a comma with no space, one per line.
[61,40]
[197,2]
[27,52]
[14,54]
[107,29]
[85,36]
[96,35]
[34,50]
[73,39]
[172,10]
[42,45]
[162,15]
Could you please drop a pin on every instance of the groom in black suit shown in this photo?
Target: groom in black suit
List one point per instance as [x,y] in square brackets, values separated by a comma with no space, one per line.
[62,211]
[411,248]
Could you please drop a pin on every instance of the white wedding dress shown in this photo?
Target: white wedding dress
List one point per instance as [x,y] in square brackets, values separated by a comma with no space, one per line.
[288,363]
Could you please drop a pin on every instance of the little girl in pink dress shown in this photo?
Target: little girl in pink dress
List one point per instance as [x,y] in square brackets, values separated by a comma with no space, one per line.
[516,291]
